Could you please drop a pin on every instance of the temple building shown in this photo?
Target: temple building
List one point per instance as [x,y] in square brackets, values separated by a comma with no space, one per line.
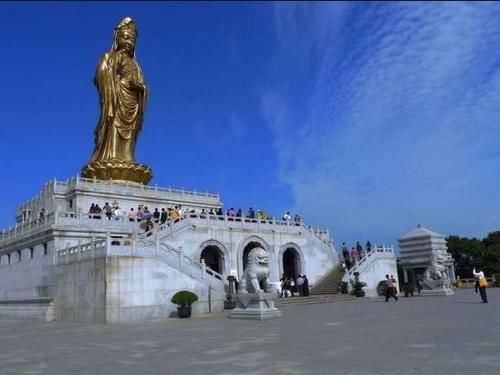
[67,264]
[417,248]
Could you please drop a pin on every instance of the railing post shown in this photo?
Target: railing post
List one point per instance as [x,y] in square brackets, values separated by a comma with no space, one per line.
[181,257]
[92,247]
[203,269]
[79,254]
[157,241]
[134,241]
[108,244]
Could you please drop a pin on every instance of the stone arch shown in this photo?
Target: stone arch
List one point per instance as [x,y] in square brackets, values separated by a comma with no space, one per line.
[291,260]
[244,248]
[216,252]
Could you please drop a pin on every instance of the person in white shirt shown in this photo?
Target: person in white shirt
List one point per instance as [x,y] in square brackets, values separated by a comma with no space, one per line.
[482,284]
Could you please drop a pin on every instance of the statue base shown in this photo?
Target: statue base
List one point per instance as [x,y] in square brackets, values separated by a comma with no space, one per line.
[437,292]
[256,306]
[118,170]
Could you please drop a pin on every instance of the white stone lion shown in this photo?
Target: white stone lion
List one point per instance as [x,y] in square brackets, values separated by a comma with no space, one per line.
[256,272]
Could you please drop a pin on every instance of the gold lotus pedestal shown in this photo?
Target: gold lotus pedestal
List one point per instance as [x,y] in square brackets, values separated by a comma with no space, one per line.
[118,170]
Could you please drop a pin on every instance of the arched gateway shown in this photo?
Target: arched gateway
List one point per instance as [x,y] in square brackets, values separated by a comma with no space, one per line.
[291,260]
[215,256]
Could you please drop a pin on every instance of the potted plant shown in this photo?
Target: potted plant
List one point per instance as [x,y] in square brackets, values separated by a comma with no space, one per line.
[357,288]
[184,299]
[408,290]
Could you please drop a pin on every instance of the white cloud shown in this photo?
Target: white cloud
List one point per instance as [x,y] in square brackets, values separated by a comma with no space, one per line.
[402,122]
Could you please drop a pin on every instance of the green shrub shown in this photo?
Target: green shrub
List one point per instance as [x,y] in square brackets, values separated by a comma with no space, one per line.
[184,297]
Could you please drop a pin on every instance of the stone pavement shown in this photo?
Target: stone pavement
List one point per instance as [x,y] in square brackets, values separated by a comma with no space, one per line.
[420,335]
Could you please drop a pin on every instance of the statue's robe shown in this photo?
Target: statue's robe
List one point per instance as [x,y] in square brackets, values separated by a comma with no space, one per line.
[122,107]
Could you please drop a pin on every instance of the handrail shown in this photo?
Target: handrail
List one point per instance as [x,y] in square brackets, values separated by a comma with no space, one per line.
[239,222]
[29,227]
[377,252]
[125,246]
[80,182]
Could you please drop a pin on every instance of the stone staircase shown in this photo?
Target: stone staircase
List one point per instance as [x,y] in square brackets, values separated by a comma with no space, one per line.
[323,298]
[328,283]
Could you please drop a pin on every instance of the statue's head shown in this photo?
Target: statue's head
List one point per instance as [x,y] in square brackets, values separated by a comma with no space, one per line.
[126,36]
[258,257]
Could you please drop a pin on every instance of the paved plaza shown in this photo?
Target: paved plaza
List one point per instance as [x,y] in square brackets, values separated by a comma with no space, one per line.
[420,335]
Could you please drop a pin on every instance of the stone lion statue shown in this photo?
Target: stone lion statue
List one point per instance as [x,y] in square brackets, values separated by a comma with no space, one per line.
[256,272]
[436,275]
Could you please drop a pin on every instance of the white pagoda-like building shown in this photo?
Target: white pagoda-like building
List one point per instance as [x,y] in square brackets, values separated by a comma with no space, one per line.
[417,250]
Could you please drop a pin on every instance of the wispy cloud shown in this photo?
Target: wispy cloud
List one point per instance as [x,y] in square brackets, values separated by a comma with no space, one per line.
[400,124]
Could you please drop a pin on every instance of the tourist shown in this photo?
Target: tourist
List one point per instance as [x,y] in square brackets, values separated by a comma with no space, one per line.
[156,216]
[174,214]
[389,289]
[219,213]
[251,213]
[117,213]
[230,212]
[98,211]
[345,253]
[108,211]
[300,284]
[181,211]
[305,286]
[483,283]
[354,254]
[287,217]
[359,249]
[368,247]
[140,213]
[291,285]
[419,283]
[146,214]
[41,216]
[297,219]
[163,216]
[91,211]
[394,285]
[131,215]
[283,285]
[239,214]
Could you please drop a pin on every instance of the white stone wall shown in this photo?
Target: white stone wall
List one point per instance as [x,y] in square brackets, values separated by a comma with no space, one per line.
[80,294]
[140,289]
[28,278]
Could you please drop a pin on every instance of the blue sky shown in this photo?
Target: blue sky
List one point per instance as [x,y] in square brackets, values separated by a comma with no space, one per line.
[366,118]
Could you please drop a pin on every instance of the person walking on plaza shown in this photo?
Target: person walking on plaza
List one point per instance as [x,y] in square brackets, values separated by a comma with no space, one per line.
[389,289]
[483,283]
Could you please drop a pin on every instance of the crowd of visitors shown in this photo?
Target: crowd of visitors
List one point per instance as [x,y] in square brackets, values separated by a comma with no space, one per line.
[291,285]
[356,253]
[173,214]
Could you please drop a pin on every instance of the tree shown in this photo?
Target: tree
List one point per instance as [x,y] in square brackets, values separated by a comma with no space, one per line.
[471,252]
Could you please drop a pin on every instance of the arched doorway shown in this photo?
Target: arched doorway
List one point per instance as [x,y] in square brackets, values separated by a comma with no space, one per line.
[291,262]
[214,258]
[247,249]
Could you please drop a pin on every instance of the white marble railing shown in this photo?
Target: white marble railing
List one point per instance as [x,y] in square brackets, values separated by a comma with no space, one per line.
[27,228]
[96,220]
[111,186]
[377,252]
[255,225]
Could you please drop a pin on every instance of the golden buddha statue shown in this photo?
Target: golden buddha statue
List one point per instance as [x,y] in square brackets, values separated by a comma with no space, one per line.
[123,95]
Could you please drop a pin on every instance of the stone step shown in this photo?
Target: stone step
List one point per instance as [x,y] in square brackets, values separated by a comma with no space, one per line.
[324,298]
